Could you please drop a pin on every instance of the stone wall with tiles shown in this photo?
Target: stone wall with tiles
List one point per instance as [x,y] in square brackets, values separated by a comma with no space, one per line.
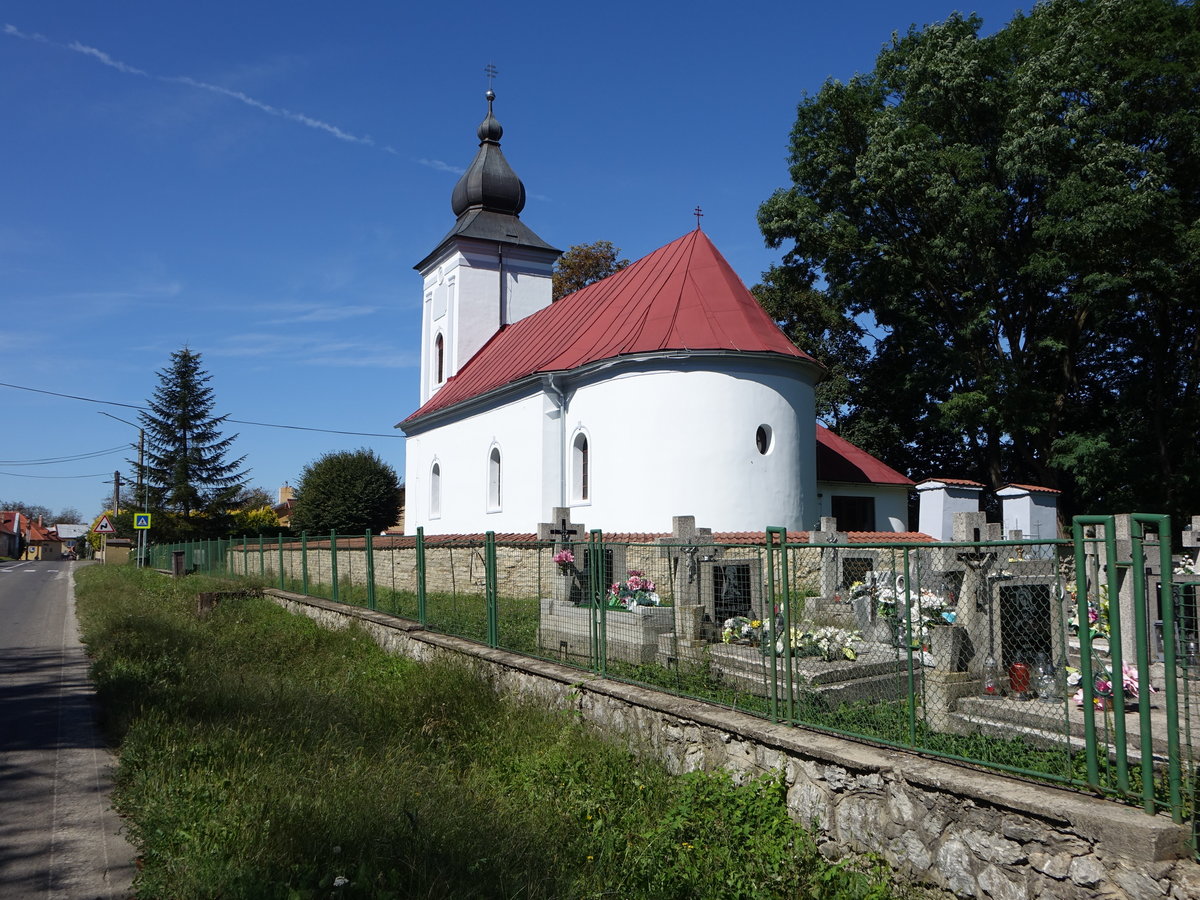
[972,833]
[521,571]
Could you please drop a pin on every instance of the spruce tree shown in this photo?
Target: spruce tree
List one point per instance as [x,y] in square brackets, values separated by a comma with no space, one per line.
[185,468]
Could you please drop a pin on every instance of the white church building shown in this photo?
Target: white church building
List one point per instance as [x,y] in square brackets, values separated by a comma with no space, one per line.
[662,390]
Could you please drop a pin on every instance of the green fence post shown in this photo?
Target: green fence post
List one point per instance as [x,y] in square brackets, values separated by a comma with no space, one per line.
[421,574]
[912,677]
[776,636]
[370,547]
[304,563]
[490,589]
[1087,679]
[1170,687]
[596,598]
[333,565]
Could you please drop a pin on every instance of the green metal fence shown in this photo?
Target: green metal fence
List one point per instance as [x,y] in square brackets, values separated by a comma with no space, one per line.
[1068,661]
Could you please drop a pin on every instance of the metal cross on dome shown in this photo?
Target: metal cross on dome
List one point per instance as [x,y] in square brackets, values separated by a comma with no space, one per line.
[698,213]
[490,71]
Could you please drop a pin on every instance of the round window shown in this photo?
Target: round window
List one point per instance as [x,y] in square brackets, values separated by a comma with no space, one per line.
[762,439]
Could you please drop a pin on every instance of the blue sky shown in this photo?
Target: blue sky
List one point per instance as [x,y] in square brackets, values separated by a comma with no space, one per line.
[256,180]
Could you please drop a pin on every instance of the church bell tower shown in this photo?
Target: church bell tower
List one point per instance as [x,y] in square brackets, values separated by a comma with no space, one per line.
[489,271]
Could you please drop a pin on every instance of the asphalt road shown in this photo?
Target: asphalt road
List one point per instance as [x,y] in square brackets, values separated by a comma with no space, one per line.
[59,837]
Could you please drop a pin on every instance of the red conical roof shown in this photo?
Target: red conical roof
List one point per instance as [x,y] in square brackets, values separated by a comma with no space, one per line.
[683,296]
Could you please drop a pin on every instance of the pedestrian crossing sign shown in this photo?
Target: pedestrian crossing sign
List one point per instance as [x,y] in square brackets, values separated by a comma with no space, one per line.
[141,520]
[103,526]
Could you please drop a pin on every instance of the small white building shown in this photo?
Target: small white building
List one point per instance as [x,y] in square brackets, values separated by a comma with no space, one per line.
[1029,509]
[662,390]
[940,499]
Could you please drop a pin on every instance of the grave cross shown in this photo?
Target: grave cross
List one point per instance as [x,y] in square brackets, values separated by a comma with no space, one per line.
[564,531]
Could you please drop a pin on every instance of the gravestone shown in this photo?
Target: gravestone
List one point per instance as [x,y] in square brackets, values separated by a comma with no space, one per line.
[686,548]
[975,601]
[1124,596]
[1187,607]
[732,587]
[1027,618]
[566,535]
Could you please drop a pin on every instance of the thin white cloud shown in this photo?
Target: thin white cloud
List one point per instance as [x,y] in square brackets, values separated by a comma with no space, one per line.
[440,166]
[278,111]
[16,32]
[307,121]
[150,292]
[313,351]
[106,59]
[312,312]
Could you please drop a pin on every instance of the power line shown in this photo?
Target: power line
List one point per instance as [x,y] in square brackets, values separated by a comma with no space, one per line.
[20,387]
[61,459]
[27,475]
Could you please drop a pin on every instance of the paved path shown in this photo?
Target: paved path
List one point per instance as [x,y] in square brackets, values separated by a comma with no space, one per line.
[59,840]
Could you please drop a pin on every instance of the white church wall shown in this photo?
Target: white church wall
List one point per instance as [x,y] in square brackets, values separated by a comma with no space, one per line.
[461,450]
[463,302]
[527,284]
[476,312]
[668,442]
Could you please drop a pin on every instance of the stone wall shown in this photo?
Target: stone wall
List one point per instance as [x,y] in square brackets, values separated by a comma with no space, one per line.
[521,571]
[973,833]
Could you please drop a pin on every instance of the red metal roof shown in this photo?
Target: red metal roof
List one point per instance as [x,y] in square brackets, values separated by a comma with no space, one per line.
[683,296]
[840,460]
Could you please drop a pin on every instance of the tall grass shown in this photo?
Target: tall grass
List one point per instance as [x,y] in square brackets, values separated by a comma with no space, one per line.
[264,757]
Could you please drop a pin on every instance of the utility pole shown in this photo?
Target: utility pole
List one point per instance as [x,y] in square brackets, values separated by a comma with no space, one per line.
[142,537]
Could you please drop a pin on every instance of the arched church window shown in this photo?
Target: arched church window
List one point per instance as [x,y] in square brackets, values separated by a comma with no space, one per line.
[435,491]
[580,477]
[439,359]
[494,480]
[763,439]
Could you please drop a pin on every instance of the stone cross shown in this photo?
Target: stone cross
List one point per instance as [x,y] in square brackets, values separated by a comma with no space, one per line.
[565,533]
[684,547]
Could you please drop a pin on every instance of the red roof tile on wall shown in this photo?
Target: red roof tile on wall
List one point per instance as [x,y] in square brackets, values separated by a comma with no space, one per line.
[953,482]
[840,460]
[1033,487]
[683,296]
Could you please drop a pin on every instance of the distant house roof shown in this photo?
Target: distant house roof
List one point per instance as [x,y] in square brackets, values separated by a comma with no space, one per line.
[71,532]
[8,521]
[840,460]
[682,297]
[38,533]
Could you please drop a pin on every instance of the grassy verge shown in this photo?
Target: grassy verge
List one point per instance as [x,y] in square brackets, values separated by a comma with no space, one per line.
[263,757]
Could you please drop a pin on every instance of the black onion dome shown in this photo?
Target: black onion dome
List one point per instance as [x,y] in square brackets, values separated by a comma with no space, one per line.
[489,182]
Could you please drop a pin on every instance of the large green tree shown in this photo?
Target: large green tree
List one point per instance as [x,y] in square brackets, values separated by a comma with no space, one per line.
[186,469]
[583,264]
[1017,219]
[348,491]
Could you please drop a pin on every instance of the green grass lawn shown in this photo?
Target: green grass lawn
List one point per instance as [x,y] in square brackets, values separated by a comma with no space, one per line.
[264,757]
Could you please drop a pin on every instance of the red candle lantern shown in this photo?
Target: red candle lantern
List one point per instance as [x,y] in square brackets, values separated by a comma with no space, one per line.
[1018,678]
